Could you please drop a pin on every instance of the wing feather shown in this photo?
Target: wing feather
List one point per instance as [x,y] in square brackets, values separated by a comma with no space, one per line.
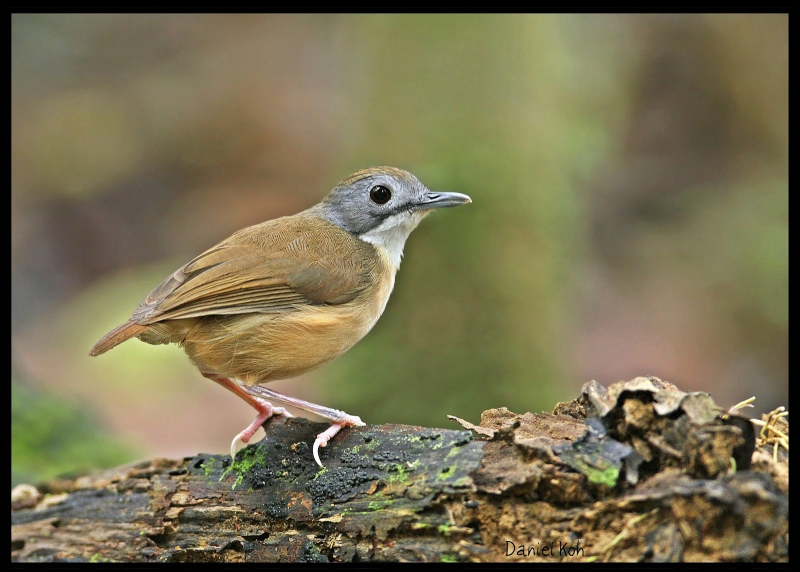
[275,267]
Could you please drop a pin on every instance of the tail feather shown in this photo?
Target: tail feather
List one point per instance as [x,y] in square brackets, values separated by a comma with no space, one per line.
[117,336]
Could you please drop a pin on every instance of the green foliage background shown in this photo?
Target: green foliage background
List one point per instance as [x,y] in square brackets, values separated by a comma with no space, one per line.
[629,177]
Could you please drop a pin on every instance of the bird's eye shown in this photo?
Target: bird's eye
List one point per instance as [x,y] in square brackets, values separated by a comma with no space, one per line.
[380,194]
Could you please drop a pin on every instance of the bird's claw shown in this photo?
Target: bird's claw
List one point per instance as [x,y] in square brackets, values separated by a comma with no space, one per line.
[267,412]
[233,445]
[323,438]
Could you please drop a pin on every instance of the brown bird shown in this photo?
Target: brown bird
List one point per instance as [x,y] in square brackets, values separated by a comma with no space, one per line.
[280,298]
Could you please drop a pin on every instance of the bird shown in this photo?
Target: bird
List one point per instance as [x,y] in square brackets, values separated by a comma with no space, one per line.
[280,298]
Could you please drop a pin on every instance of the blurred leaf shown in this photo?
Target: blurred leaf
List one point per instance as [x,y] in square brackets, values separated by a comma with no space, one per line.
[51,436]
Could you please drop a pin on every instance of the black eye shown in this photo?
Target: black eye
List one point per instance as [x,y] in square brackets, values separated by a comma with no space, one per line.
[380,194]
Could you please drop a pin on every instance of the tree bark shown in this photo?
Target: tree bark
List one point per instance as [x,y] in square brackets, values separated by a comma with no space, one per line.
[607,477]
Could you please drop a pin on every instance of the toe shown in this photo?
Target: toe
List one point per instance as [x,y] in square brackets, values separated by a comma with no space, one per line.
[316,452]
[233,448]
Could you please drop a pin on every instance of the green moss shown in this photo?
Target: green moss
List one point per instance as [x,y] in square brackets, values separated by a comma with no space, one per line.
[398,476]
[227,471]
[606,477]
[243,464]
[446,473]
[371,507]
[381,504]
[448,558]
[208,467]
[452,452]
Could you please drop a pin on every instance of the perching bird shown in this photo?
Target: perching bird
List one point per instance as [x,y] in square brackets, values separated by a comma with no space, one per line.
[280,298]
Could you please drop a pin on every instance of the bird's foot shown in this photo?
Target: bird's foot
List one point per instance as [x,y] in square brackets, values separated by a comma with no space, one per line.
[265,411]
[340,419]
[323,438]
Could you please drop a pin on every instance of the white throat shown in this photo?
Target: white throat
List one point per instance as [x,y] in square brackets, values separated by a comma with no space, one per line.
[390,236]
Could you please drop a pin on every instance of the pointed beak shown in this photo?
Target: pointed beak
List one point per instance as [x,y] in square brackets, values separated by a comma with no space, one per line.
[435,200]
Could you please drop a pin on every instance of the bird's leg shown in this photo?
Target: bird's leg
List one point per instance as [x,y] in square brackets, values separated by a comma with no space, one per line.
[263,407]
[340,418]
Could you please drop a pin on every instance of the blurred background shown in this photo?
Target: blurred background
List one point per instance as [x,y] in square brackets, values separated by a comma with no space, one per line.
[629,177]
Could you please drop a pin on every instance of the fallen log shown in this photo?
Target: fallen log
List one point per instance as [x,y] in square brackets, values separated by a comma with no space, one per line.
[637,472]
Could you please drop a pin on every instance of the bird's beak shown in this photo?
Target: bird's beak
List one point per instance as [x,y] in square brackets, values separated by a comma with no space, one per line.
[435,200]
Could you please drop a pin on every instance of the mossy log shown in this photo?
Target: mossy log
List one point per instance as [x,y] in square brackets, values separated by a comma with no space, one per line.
[638,472]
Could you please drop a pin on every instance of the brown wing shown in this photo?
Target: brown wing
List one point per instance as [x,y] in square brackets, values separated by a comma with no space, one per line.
[273,267]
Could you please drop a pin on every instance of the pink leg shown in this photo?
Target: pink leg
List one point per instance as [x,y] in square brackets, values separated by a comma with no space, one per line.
[340,418]
[264,408]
